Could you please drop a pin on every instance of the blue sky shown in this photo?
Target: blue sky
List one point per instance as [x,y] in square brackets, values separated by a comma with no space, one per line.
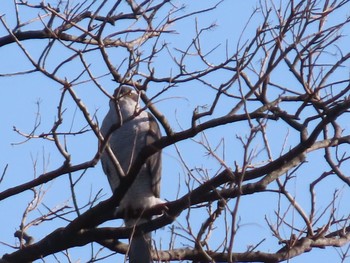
[26,98]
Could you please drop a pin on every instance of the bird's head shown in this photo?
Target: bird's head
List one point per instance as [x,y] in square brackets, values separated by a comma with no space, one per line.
[125,93]
[125,99]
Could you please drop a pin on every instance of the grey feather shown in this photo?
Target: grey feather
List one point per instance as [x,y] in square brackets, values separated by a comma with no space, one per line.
[140,248]
[136,130]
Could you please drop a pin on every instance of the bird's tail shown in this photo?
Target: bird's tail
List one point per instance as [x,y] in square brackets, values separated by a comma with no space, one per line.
[140,248]
[140,245]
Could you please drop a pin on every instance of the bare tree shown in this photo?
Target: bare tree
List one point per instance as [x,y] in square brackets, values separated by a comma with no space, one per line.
[257,124]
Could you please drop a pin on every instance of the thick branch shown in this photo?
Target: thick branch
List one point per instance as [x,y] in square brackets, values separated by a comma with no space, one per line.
[46,34]
[60,239]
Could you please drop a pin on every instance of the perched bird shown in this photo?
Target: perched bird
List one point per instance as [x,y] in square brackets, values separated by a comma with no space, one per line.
[134,129]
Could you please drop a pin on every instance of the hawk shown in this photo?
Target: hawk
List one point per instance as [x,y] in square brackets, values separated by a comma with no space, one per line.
[135,128]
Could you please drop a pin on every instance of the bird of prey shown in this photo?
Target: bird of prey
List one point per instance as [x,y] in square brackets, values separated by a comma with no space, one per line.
[134,129]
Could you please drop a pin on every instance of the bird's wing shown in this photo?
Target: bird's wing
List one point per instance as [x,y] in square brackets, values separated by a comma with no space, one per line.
[154,163]
[110,171]
[107,164]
